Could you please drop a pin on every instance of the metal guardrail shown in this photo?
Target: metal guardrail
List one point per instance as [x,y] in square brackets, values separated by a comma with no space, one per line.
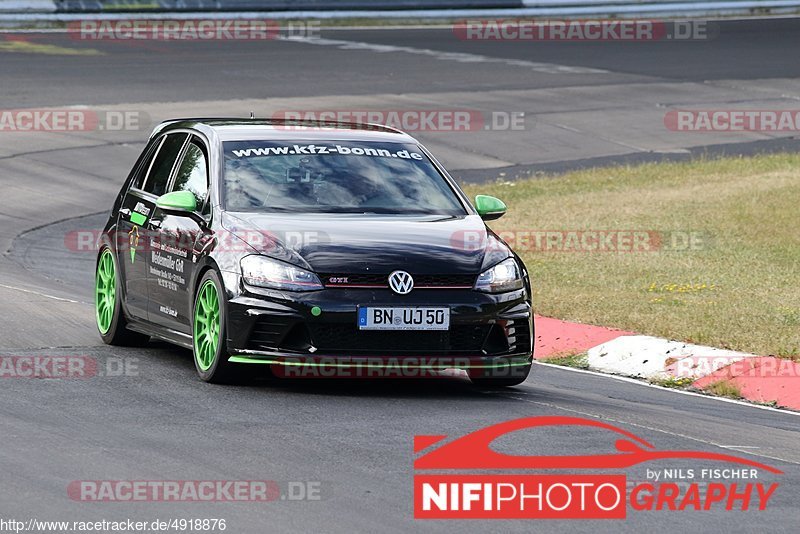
[537,8]
[569,8]
[276,5]
[27,6]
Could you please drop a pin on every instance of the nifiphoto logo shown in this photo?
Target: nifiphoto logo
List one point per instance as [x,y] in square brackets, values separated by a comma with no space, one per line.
[500,491]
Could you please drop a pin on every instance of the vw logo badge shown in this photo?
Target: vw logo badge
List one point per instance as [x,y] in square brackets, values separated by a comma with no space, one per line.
[401,282]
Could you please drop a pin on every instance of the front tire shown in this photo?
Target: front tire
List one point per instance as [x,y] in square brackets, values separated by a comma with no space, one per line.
[110,319]
[209,315]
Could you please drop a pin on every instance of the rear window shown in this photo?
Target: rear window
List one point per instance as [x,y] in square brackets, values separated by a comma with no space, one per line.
[334,177]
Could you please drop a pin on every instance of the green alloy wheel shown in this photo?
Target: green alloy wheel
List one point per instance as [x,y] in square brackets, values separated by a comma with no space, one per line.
[105,291]
[111,322]
[208,331]
[206,325]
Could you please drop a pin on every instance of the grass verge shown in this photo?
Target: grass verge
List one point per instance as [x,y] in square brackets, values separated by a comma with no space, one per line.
[578,361]
[735,286]
[673,382]
[724,388]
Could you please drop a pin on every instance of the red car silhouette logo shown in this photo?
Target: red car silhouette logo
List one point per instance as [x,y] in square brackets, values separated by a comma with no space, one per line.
[473,450]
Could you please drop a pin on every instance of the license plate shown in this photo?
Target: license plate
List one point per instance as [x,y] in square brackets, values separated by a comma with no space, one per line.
[374,318]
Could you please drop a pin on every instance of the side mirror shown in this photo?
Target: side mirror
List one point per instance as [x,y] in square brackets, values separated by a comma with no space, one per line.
[489,208]
[182,203]
[177,201]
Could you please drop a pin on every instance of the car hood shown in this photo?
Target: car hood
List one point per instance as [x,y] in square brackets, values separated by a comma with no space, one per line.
[371,244]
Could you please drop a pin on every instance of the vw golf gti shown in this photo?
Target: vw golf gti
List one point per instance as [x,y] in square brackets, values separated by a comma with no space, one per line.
[313,245]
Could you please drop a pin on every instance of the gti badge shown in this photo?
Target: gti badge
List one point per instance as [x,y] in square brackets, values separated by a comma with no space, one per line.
[401,282]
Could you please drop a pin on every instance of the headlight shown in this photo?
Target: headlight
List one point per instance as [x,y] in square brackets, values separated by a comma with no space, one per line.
[502,277]
[265,272]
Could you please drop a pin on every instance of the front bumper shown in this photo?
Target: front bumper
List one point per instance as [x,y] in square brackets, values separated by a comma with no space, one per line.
[278,328]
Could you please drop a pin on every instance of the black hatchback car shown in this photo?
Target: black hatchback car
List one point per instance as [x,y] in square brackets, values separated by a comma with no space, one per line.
[312,246]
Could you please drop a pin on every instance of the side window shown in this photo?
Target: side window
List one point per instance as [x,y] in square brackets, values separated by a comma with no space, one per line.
[193,174]
[144,163]
[163,163]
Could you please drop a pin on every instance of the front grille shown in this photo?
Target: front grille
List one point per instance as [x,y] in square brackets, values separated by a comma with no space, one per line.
[438,280]
[381,280]
[340,338]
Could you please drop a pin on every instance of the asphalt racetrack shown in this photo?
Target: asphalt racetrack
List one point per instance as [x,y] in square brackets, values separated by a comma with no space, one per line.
[146,416]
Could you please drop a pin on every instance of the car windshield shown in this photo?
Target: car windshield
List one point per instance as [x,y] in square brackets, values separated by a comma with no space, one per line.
[334,177]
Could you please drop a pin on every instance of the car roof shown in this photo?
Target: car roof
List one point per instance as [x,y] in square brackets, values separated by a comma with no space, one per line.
[239,129]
